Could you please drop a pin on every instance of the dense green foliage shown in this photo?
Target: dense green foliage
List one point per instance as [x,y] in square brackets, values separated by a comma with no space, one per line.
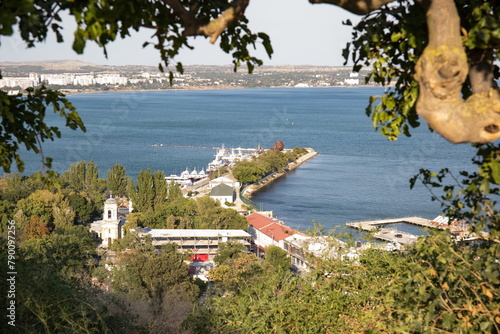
[251,171]
[53,290]
[421,290]
[156,285]
[83,208]
[56,256]
[449,288]
[229,250]
[117,181]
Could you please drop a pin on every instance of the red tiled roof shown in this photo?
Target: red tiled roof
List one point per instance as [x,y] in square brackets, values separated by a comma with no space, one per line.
[270,227]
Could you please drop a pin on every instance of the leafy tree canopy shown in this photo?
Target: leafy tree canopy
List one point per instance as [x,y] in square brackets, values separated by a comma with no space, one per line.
[82,207]
[117,180]
[147,275]
[229,250]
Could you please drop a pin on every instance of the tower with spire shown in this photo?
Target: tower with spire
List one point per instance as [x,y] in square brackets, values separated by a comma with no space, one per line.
[110,227]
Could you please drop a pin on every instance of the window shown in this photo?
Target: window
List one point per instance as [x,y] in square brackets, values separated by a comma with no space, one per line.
[109,214]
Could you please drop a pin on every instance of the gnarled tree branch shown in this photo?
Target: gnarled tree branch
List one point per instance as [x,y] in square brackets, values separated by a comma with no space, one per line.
[442,70]
[230,15]
[194,27]
[360,7]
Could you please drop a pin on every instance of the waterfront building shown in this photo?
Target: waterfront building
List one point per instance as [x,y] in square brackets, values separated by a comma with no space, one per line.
[304,251]
[267,232]
[227,180]
[202,244]
[23,82]
[223,193]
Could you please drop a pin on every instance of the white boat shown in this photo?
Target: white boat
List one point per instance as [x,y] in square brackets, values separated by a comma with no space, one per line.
[227,157]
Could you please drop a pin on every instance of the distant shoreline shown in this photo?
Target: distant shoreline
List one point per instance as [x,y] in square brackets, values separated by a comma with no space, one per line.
[193,88]
[157,90]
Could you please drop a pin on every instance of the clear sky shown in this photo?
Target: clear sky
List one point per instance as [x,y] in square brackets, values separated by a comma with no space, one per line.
[301,34]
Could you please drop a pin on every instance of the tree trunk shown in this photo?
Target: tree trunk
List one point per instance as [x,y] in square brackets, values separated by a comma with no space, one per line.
[441,72]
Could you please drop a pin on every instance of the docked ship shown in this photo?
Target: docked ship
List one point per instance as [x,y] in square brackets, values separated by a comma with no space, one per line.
[187,178]
[223,157]
[229,156]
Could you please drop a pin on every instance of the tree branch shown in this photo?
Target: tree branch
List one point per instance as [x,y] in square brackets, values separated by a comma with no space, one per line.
[215,27]
[359,7]
[194,27]
[441,71]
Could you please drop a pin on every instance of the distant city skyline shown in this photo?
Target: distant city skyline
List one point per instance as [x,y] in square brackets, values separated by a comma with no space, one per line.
[301,34]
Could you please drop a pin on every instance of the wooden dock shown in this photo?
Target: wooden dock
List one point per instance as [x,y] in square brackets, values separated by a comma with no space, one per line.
[392,235]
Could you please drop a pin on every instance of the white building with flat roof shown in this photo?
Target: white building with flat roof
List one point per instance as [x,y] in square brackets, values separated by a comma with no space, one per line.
[203,244]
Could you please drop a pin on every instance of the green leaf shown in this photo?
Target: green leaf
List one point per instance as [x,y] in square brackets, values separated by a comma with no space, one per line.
[495,171]
[79,42]
[179,68]
[395,37]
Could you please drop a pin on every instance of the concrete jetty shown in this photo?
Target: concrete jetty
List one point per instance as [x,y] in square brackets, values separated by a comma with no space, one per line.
[393,235]
[251,189]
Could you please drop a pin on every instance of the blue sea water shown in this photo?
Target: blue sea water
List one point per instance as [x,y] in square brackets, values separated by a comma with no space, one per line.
[358,175]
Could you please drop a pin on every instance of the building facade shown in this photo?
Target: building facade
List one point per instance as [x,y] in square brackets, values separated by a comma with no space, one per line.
[304,251]
[202,244]
[223,193]
[110,227]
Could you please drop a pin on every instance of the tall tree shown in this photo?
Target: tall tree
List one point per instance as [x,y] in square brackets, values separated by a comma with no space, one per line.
[156,282]
[229,250]
[82,207]
[144,274]
[174,191]
[117,180]
[277,259]
[160,187]
[82,176]
[144,195]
